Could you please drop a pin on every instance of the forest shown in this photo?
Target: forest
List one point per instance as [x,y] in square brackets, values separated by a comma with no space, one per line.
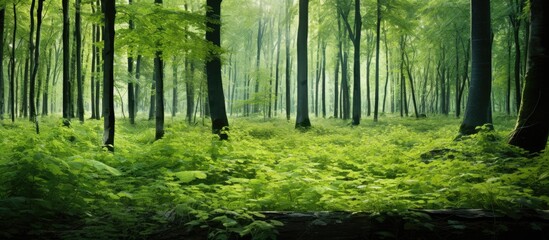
[349,119]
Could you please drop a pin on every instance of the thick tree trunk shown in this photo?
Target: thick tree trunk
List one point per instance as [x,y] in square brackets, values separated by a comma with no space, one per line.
[478,111]
[302,118]
[532,125]
[66,57]
[216,98]
[159,82]
[109,11]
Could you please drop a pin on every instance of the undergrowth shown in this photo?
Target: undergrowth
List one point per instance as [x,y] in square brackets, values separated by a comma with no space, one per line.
[61,184]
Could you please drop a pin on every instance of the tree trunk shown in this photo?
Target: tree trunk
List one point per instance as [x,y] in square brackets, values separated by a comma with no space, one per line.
[189,87]
[23,111]
[109,11]
[175,90]
[79,80]
[378,26]
[66,57]
[478,111]
[152,102]
[302,118]
[216,98]
[45,94]
[323,103]
[98,69]
[159,87]
[2,105]
[288,70]
[386,68]
[93,68]
[32,102]
[131,90]
[532,125]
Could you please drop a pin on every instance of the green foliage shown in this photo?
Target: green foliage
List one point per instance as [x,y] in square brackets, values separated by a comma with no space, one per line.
[65,185]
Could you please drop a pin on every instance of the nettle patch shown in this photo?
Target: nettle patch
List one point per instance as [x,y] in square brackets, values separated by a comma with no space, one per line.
[65,185]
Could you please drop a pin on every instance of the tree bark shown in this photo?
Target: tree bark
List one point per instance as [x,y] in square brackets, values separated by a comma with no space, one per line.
[79,80]
[378,27]
[478,111]
[131,90]
[216,98]
[159,82]
[302,118]
[532,125]
[109,11]
[2,104]
[66,57]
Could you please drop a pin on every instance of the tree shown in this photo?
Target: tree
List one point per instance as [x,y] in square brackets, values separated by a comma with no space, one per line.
[478,111]
[159,82]
[378,27]
[302,118]
[355,38]
[288,59]
[79,80]
[2,17]
[216,98]
[109,13]
[66,57]
[12,66]
[36,51]
[532,126]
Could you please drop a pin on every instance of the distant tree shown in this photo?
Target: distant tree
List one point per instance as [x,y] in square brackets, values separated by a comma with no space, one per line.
[532,126]
[109,13]
[216,98]
[302,118]
[478,111]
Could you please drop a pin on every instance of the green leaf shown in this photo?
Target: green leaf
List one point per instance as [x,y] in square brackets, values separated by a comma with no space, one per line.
[189,176]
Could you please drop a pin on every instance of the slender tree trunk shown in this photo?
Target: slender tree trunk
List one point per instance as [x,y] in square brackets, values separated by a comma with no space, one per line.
[386,68]
[508,90]
[302,118]
[288,70]
[32,103]
[532,126]
[66,57]
[93,68]
[25,90]
[109,11]
[378,26]
[336,72]
[99,67]
[79,80]
[478,111]
[189,87]
[137,88]
[216,98]
[45,94]
[159,87]
[12,66]
[175,89]
[131,90]
[2,104]
[277,69]
[458,84]
[323,103]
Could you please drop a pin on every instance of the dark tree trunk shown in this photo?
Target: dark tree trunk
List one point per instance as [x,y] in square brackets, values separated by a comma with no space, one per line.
[323,102]
[532,125]
[137,87]
[457,83]
[12,66]
[345,105]
[79,80]
[355,38]
[386,68]
[2,105]
[378,26]
[508,90]
[216,98]
[109,11]
[66,57]
[29,70]
[288,70]
[478,111]
[302,118]
[408,69]
[33,114]
[159,82]
[336,70]
[131,90]
[23,111]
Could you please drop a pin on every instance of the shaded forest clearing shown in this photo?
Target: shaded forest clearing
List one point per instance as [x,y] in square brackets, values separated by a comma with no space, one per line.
[60,185]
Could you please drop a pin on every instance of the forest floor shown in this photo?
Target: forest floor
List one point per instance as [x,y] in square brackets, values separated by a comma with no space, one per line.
[62,184]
